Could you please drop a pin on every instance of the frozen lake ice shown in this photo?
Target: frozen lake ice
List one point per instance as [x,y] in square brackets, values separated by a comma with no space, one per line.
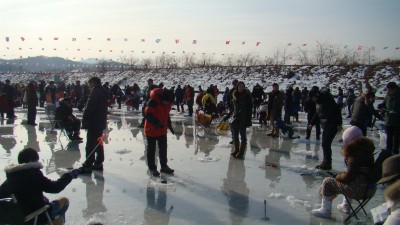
[209,187]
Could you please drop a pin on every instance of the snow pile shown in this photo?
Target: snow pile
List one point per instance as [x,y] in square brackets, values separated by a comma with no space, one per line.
[304,76]
[208,158]
[298,202]
[276,195]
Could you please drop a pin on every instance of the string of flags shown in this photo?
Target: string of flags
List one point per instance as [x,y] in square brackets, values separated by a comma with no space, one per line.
[177,41]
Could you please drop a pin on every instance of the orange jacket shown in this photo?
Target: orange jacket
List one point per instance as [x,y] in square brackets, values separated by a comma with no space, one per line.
[156,116]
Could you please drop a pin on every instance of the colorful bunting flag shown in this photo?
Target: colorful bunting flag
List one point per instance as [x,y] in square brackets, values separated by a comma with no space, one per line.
[176,41]
[56,38]
[22,39]
[143,40]
[385,48]
[158,40]
[258,43]
[108,39]
[73,39]
[7,39]
[194,42]
[243,42]
[89,39]
[40,39]
[125,39]
[359,48]
[227,42]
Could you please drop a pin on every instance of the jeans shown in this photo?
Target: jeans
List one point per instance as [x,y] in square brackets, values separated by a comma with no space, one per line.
[242,132]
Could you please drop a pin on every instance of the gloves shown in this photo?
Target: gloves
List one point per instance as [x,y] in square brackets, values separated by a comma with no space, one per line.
[74,173]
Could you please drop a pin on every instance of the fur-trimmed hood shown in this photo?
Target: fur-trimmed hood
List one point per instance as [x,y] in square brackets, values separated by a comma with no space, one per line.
[359,148]
[24,166]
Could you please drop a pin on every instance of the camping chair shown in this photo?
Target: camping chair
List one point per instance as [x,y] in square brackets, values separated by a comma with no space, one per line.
[55,124]
[11,213]
[361,202]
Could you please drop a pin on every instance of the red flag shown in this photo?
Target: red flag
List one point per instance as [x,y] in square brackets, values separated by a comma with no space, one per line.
[289,44]
[176,41]
[194,42]
[56,38]
[22,39]
[108,39]
[101,138]
[73,39]
[304,44]
[258,43]
[359,48]
[125,39]
[40,39]
[227,42]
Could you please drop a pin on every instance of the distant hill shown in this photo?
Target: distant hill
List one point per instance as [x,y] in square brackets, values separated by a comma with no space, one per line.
[45,64]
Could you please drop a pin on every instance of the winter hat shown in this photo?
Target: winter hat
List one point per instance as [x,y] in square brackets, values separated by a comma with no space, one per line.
[390,169]
[168,96]
[314,93]
[350,134]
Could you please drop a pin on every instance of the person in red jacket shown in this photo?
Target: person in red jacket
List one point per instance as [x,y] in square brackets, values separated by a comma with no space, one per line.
[157,120]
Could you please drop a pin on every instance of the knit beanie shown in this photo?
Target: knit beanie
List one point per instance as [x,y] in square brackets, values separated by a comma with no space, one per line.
[350,134]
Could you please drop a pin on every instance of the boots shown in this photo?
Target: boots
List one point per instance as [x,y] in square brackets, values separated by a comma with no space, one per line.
[325,165]
[235,148]
[242,150]
[344,206]
[325,210]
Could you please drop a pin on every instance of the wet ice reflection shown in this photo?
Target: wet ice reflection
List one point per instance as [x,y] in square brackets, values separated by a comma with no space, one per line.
[209,187]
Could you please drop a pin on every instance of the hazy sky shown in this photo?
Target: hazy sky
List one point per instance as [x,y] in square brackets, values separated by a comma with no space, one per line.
[368,23]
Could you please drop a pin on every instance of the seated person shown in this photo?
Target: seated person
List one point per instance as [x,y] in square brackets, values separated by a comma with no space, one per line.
[208,103]
[67,120]
[353,183]
[27,183]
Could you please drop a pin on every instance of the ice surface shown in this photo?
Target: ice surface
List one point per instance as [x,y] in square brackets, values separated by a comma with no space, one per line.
[209,187]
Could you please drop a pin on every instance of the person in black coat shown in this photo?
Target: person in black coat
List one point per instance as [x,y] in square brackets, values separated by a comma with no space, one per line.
[179,94]
[27,183]
[330,118]
[67,120]
[241,118]
[9,90]
[95,121]
[310,108]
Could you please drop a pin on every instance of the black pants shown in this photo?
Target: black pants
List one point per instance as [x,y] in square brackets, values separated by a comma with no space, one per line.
[328,134]
[73,126]
[31,114]
[151,151]
[97,156]
[179,106]
[190,107]
[10,113]
[393,139]
[317,131]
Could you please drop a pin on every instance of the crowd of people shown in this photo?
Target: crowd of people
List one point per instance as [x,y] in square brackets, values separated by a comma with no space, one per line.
[278,109]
